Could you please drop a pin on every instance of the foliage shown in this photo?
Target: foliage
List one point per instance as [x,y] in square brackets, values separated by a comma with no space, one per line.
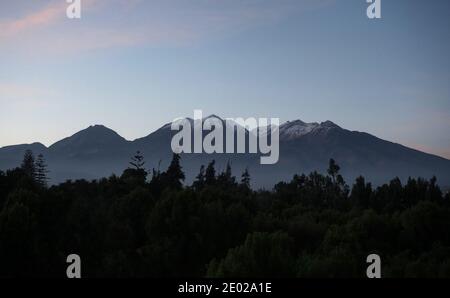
[311,226]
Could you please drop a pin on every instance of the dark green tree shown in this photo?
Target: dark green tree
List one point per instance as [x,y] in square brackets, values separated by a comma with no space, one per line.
[174,175]
[41,171]
[136,175]
[333,169]
[28,165]
[199,181]
[226,178]
[261,255]
[210,173]
[245,179]
[361,193]
[137,161]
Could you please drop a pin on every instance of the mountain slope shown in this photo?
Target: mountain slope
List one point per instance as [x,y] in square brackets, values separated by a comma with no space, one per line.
[304,147]
[93,140]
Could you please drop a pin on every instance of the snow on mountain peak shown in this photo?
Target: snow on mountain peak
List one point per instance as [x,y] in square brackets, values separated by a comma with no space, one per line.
[295,129]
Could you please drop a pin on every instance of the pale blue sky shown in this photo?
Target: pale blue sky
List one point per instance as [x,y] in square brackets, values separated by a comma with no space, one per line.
[135,65]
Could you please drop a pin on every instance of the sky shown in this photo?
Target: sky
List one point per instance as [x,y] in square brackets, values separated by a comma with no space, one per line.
[134,65]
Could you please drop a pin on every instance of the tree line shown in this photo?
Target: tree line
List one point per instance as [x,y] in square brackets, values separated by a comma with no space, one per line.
[151,224]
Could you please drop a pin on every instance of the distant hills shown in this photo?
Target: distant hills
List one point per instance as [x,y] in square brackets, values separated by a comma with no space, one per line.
[98,151]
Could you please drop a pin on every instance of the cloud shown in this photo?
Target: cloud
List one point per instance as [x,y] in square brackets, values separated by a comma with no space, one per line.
[121,23]
[31,21]
[51,14]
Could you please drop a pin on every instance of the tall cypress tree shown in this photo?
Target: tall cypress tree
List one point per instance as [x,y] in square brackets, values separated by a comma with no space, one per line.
[41,171]
[174,175]
[28,165]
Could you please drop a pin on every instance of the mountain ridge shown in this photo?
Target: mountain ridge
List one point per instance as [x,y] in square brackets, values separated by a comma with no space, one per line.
[99,151]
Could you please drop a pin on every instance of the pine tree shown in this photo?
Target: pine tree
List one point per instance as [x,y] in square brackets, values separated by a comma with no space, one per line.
[156,183]
[226,178]
[174,175]
[137,161]
[136,175]
[227,173]
[199,182]
[210,174]
[41,171]
[28,165]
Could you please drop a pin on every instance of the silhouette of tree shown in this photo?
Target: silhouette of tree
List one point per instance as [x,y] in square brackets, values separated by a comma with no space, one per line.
[156,183]
[245,179]
[333,169]
[199,181]
[226,178]
[41,171]
[137,175]
[28,165]
[361,193]
[210,173]
[174,175]
[137,161]
[307,227]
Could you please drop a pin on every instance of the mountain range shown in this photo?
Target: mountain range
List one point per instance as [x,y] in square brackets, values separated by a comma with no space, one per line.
[98,151]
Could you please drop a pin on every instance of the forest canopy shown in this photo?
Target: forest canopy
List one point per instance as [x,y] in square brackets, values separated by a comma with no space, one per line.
[150,224]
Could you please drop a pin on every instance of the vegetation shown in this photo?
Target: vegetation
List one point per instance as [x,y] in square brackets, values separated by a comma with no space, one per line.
[140,226]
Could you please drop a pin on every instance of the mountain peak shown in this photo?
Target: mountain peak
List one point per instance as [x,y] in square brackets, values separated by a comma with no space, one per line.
[94,135]
[329,124]
[295,129]
[295,122]
[99,132]
[97,127]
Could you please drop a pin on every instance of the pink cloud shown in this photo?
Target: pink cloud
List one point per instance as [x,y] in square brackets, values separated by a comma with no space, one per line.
[49,15]
[42,31]
[44,17]
[121,23]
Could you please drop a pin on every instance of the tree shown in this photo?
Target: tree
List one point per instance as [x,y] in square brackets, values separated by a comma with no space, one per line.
[41,171]
[261,255]
[226,178]
[210,174]
[361,193]
[174,176]
[137,161]
[333,169]
[339,185]
[199,182]
[138,175]
[28,165]
[309,227]
[245,178]
[18,235]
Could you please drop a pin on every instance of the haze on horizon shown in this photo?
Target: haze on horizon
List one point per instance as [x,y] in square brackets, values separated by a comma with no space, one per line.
[134,65]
